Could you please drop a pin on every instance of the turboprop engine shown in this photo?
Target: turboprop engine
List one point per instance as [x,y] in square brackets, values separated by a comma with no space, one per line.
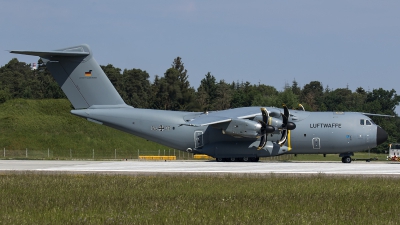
[243,128]
[254,129]
[270,124]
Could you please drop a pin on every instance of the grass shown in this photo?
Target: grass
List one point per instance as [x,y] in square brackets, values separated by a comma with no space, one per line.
[33,198]
[47,124]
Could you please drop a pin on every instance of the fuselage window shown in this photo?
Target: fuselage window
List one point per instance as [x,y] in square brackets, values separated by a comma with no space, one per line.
[367,122]
[362,122]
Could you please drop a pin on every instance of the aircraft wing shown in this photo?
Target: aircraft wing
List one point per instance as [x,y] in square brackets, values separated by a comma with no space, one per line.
[224,116]
[372,114]
[207,120]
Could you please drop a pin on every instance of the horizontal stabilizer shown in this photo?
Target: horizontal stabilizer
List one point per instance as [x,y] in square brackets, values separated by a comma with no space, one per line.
[51,53]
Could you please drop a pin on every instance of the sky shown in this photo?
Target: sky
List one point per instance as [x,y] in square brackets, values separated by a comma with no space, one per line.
[340,43]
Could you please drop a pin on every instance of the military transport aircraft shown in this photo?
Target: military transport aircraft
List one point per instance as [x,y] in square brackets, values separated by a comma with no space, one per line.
[241,134]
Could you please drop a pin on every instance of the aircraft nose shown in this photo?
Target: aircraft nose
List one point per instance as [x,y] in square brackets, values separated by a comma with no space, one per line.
[381,135]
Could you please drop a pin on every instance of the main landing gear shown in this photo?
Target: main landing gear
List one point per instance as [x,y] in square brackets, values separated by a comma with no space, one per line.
[346,157]
[244,159]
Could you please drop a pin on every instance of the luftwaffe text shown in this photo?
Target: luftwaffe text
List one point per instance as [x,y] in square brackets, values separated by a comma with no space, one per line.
[325,125]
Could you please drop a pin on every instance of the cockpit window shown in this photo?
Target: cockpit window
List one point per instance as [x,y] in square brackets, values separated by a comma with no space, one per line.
[361,121]
[367,122]
[372,122]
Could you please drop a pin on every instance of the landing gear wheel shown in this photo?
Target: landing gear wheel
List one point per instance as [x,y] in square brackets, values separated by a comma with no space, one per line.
[255,159]
[245,159]
[232,159]
[346,159]
[219,159]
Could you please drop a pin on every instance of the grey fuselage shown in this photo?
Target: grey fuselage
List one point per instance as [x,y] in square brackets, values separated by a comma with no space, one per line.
[315,132]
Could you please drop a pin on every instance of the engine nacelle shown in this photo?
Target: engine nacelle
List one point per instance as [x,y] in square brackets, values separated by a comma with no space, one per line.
[275,122]
[243,128]
[278,123]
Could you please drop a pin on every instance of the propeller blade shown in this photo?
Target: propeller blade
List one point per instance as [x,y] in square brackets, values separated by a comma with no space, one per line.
[265,114]
[263,141]
[284,120]
[283,138]
[264,128]
[285,110]
[286,115]
[285,127]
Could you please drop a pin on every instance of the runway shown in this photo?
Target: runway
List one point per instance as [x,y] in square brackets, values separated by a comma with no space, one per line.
[202,167]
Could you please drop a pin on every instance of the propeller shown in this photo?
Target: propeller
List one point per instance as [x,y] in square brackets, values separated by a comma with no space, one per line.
[286,125]
[268,126]
[301,107]
[265,128]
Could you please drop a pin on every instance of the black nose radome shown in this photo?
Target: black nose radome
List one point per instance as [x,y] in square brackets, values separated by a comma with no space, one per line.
[381,135]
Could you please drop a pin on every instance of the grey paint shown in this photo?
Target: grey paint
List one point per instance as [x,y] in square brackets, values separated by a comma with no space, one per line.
[223,134]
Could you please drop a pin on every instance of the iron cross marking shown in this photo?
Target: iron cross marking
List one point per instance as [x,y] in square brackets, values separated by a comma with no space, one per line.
[161,128]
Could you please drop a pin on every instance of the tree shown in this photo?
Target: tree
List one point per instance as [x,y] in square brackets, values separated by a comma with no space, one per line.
[295,88]
[157,94]
[115,76]
[339,100]
[206,92]
[136,86]
[223,96]
[312,96]
[289,98]
[172,89]
[388,100]
[184,102]
[20,81]
[4,95]
[243,94]
[13,77]
[266,96]
[203,99]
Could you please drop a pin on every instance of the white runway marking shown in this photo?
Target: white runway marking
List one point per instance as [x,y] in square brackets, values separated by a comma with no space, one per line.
[206,167]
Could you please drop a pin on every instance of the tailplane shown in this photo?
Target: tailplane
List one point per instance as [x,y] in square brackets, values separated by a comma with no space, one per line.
[79,76]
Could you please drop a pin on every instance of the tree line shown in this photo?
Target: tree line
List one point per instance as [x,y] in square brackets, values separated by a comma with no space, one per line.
[172,91]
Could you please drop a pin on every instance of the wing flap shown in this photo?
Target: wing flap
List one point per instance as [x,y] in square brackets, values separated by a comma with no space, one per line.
[207,120]
[218,117]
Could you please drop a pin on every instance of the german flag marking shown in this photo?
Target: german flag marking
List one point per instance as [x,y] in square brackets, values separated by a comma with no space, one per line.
[88,74]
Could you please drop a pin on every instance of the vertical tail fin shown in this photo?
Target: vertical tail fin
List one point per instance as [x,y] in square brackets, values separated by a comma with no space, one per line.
[79,76]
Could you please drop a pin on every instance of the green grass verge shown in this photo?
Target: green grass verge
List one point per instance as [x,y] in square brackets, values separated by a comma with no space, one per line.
[102,199]
[38,125]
